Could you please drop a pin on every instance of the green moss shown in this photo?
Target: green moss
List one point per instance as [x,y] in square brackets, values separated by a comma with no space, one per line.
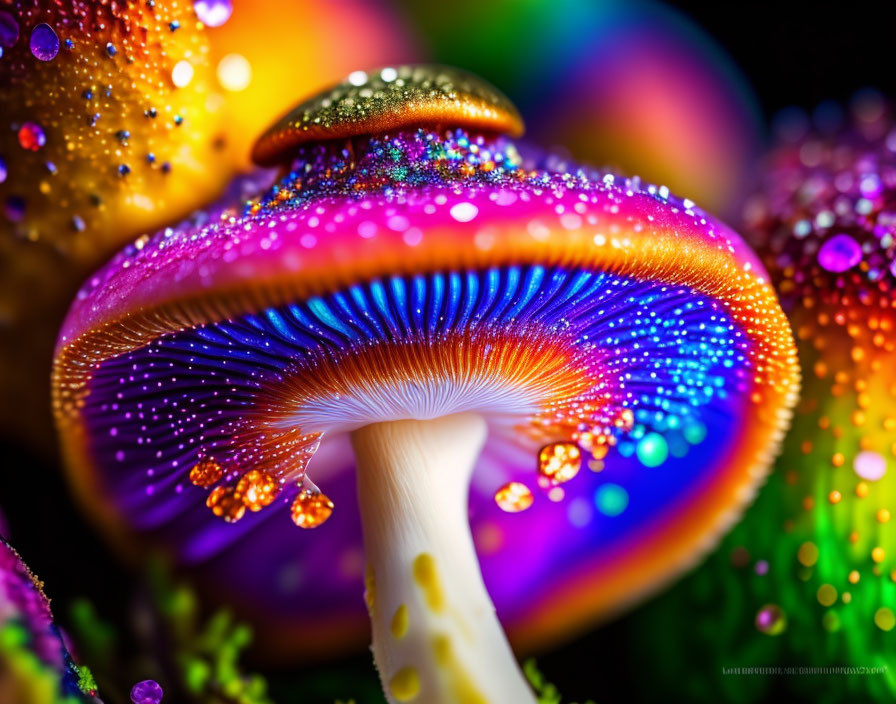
[545,692]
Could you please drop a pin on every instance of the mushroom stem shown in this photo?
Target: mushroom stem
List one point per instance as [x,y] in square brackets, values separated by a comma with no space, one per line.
[436,638]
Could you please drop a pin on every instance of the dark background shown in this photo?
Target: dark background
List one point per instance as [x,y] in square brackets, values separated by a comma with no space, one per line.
[793,53]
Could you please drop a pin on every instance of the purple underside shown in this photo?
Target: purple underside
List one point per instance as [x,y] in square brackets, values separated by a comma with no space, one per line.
[670,358]
[280,570]
[151,409]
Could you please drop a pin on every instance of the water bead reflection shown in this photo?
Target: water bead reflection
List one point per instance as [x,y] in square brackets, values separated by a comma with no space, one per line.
[514,497]
[311,509]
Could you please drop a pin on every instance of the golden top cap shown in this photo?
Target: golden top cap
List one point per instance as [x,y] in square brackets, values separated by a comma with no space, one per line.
[387,99]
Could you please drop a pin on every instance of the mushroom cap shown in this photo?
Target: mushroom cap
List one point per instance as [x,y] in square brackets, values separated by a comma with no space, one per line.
[390,100]
[32,652]
[412,275]
[111,126]
[303,44]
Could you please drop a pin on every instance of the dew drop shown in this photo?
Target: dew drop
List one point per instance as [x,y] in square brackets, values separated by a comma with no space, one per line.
[44,42]
[870,465]
[652,450]
[770,619]
[839,253]
[146,692]
[311,509]
[32,136]
[225,503]
[611,499]
[213,13]
[205,473]
[559,461]
[514,497]
[257,489]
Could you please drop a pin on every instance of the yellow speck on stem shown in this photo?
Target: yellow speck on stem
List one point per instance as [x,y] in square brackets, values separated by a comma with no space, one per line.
[400,622]
[405,684]
[463,690]
[428,580]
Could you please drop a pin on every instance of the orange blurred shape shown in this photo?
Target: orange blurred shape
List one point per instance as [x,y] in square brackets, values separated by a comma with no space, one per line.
[116,130]
[270,54]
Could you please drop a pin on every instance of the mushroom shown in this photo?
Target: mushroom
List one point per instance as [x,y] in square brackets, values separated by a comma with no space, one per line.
[416,290]
[821,540]
[35,665]
[110,125]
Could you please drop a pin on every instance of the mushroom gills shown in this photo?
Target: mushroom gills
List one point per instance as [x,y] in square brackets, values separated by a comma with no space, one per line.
[552,351]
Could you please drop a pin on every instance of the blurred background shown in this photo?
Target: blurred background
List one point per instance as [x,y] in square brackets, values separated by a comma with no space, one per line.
[685,94]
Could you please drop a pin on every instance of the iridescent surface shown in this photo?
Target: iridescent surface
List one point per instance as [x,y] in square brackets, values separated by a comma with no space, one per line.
[146,692]
[146,404]
[416,275]
[35,666]
[817,549]
[390,99]
[102,137]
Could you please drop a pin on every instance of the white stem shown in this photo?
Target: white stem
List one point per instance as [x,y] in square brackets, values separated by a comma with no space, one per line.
[436,638]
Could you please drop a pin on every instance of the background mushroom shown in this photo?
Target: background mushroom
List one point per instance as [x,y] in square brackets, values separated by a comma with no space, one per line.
[35,665]
[111,126]
[633,84]
[809,576]
[417,289]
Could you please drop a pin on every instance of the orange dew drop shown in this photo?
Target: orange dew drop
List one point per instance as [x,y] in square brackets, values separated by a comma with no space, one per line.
[600,451]
[257,489]
[205,473]
[225,503]
[834,497]
[559,461]
[878,554]
[854,577]
[311,509]
[514,497]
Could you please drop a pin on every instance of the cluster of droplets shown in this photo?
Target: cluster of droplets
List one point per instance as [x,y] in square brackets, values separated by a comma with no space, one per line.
[363,172]
[560,462]
[825,225]
[87,132]
[110,125]
[824,219]
[256,489]
[814,558]
[409,159]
